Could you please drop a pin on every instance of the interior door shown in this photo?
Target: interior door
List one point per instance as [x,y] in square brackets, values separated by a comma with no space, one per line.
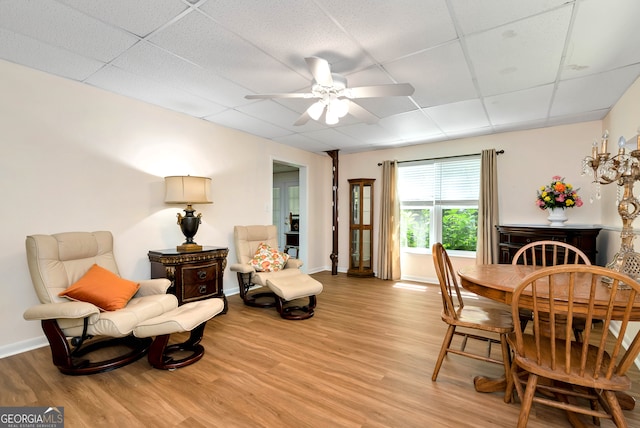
[286,199]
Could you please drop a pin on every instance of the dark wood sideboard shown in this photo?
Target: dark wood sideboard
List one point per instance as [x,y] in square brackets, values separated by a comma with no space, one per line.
[515,236]
[194,275]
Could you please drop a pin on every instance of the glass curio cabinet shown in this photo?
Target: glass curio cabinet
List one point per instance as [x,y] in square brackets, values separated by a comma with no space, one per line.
[361,227]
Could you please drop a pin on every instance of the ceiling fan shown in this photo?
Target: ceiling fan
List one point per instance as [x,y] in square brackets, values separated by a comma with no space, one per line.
[334,97]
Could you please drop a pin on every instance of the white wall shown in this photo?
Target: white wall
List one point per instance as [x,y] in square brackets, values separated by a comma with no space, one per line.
[531,158]
[76,158]
[622,120]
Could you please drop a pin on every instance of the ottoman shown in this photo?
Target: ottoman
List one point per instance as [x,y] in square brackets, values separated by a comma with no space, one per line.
[190,317]
[293,287]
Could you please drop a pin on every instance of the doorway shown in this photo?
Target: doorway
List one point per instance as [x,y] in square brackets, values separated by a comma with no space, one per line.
[286,206]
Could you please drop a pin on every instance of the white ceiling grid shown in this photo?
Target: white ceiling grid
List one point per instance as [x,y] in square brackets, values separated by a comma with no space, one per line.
[478,67]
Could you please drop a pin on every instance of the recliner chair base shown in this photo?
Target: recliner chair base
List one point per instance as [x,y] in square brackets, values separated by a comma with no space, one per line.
[191,317]
[262,299]
[71,362]
[161,356]
[295,312]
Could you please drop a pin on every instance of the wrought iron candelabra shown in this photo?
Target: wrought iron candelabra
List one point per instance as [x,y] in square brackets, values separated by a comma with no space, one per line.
[624,170]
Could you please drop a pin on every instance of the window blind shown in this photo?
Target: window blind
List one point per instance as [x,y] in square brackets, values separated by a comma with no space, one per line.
[440,181]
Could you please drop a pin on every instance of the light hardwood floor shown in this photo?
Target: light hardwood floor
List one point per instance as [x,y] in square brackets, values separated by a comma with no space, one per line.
[364,360]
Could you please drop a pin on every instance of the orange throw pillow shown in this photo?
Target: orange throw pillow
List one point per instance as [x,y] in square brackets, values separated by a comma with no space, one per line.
[103,288]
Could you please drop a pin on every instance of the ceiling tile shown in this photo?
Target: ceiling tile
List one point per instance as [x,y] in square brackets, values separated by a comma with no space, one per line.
[272,112]
[412,126]
[59,25]
[439,75]
[148,60]
[308,32]
[520,55]
[237,120]
[474,16]
[333,138]
[402,27]
[372,134]
[197,39]
[463,115]
[124,83]
[614,44]
[303,142]
[35,54]
[519,107]
[594,92]
[139,17]
[577,117]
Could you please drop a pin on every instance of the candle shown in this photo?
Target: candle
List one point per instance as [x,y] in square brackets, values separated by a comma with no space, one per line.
[605,136]
[638,138]
[621,143]
[594,149]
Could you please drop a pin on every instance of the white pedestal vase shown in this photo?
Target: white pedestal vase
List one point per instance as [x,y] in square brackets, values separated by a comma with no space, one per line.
[557,217]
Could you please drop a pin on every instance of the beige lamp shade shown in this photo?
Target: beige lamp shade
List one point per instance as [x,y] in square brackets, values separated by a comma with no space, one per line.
[187,190]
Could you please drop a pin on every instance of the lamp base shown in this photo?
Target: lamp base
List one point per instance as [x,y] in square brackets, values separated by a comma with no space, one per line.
[185,248]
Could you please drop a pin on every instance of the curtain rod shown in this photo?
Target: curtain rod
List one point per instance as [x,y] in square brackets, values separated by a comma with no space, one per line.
[498,152]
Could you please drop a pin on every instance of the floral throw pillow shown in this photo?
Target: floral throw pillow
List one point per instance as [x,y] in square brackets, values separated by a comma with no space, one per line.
[268,259]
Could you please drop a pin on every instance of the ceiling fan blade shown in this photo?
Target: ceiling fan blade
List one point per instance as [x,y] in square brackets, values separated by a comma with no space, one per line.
[361,113]
[320,70]
[390,90]
[283,95]
[304,118]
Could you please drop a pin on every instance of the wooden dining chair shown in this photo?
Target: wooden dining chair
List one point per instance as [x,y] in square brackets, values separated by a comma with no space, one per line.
[591,371]
[550,253]
[485,321]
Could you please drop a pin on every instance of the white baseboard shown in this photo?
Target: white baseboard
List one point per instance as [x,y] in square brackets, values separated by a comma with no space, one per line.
[24,346]
[420,279]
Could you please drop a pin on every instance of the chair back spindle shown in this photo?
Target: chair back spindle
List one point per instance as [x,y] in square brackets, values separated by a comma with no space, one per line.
[555,292]
[598,364]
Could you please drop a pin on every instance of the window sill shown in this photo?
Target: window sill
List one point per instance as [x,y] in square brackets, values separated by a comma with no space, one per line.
[452,253]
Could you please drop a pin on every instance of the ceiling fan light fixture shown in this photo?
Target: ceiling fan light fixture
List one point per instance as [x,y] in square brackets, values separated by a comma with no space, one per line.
[316,109]
[331,118]
[340,107]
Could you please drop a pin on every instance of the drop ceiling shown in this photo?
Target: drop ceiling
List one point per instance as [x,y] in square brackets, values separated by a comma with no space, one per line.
[478,67]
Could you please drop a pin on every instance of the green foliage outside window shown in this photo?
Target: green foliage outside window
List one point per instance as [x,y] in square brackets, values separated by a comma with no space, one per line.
[460,229]
[414,228]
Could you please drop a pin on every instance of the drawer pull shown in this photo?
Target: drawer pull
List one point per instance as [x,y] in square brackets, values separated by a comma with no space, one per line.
[202,274]
[202,289]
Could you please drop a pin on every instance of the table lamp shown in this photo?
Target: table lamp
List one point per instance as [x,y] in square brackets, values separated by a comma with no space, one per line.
[188,190]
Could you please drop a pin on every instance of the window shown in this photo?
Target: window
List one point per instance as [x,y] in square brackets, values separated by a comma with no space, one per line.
[439,203]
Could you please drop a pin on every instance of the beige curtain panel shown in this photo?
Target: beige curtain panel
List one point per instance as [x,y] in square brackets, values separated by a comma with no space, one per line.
[487,249]
[389,232]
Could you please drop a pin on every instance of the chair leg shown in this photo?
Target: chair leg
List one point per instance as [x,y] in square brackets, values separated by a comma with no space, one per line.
[527,400]
[511,379]
[506,359]
[616,410]
[443,351]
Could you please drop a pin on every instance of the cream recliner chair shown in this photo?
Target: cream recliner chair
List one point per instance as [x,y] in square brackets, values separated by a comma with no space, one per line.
[284,285]
[76,329]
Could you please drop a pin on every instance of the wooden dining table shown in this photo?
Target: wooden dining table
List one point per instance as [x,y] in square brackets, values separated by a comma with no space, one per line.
[498,281]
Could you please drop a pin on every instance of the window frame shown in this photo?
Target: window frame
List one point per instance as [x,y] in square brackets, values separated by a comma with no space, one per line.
[436,205]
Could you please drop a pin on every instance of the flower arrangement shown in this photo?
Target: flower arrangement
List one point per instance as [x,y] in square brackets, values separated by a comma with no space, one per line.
[558,194]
